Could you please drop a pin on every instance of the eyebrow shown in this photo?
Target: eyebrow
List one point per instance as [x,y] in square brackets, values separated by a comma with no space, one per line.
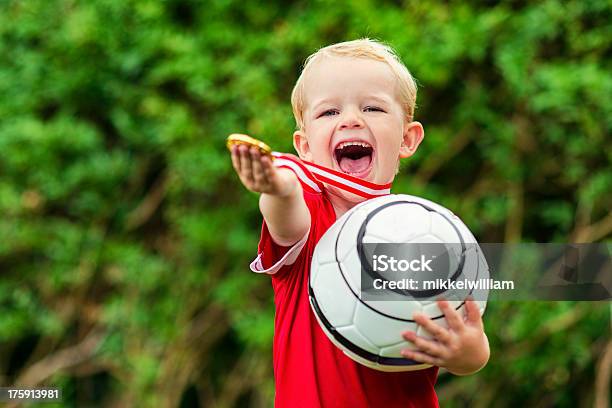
[382,99]
[321,102]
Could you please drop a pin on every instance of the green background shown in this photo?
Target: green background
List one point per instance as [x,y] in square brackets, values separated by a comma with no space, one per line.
[125,236]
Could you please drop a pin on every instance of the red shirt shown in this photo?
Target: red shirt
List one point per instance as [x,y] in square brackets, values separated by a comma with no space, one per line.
[309,371]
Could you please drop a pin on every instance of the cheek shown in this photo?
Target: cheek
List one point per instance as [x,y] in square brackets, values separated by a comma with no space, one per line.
[388,159]
[321,139]
[391,141]
[390,151]
[319,151]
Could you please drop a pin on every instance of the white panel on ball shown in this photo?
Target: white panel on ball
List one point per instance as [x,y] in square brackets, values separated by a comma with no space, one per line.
[379,329]
[326,246]
[346,234]
[433,311]
[338,305]
[398,224]
[352,273]
[440,227]
[400,309]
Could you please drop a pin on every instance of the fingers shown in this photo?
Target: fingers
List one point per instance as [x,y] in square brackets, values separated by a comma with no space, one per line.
[439,332]
[246,166]
[255,171]
[258,173]
[431,347]
[267,167]
[236,159]
[453,318]
[421,357]
[473,313]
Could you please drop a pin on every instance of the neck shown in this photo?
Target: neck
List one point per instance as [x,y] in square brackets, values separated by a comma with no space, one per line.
[342,204]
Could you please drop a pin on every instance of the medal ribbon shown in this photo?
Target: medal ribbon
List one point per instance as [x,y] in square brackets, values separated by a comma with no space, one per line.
[312,176]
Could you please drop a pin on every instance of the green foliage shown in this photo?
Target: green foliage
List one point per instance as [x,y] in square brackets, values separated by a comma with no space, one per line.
[121,215]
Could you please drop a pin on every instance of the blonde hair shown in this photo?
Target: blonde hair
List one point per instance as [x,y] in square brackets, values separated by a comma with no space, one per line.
[362,48]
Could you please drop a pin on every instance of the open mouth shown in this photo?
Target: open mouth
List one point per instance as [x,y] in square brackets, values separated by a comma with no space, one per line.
[354,158]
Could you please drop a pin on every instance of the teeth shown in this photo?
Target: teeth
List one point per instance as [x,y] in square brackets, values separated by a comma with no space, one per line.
[345,144]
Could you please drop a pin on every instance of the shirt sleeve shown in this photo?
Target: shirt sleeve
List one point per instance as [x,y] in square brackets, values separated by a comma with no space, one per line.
[271,257]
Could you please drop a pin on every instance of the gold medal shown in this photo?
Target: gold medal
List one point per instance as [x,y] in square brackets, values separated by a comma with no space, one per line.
[237,139]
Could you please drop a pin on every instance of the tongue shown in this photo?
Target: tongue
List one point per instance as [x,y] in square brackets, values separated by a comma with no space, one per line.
[349,165]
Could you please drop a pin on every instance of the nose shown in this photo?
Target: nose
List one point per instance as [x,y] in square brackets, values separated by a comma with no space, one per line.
[351,119]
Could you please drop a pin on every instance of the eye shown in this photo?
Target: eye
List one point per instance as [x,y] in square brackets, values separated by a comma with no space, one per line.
[329,112]
[373,109]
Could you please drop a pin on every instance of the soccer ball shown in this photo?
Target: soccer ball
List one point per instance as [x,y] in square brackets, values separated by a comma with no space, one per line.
[365,321]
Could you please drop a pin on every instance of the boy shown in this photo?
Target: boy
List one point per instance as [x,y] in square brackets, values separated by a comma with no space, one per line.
[354,105]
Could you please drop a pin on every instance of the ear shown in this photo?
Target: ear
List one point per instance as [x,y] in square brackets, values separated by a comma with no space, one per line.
[412,138]
[300,143]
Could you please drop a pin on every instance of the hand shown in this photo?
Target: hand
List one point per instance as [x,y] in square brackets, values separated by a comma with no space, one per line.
[462,349]
[259,175]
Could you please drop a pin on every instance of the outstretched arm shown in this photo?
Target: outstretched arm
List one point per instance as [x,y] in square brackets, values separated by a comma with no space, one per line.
[281,202]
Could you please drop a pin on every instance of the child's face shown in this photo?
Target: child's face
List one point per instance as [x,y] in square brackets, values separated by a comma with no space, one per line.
[353,121]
